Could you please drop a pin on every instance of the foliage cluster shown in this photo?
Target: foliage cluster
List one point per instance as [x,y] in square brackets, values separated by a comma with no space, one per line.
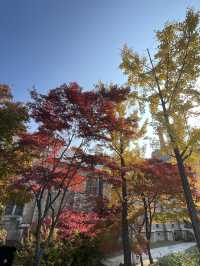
[190,258]
[82,250]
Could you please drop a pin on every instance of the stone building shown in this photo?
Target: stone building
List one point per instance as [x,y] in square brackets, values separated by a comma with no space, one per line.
[18,219]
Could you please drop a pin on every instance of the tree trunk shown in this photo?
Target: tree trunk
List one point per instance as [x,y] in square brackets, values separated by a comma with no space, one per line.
[125,229]
[147,230]
[141,261]
[38,256]
[149,253]
[38,249]
[188,197]
[125,225]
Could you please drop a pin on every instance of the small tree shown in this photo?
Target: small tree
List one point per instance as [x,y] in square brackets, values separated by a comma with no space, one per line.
[50,180]
[153,184]
[13,118]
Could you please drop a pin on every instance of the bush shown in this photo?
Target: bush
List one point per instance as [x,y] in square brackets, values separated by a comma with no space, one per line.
[24,256]
[82,251]
[86,253]
[189,258]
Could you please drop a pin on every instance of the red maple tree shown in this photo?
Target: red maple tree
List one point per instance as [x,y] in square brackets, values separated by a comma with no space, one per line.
[155,182]
[69,121]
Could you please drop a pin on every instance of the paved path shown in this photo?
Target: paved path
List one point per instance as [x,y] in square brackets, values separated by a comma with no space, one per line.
[156,253]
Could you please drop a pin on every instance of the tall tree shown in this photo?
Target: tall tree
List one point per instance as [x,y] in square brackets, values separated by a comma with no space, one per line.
[168,82]
[120,135]
[59,150]
[69,121]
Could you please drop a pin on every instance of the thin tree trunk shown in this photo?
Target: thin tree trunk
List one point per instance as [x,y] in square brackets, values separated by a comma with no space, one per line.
[125,229]
[149,253]
[38,250]
[125,225]
[147,230]
[141,261]
[149,248]
[38,256]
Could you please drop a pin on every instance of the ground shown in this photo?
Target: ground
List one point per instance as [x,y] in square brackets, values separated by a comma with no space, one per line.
[156,253]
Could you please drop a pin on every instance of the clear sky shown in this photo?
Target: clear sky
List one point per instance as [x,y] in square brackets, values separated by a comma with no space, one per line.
[45,43]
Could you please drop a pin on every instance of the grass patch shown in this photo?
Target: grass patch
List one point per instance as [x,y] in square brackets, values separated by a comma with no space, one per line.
[190,257]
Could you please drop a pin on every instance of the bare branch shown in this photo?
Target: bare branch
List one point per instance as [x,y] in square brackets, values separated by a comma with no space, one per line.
[187,155]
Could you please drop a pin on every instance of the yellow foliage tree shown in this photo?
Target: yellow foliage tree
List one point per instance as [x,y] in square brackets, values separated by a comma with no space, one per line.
[168,82]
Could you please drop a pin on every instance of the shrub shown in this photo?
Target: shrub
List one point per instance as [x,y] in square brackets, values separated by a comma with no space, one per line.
[82,251]
[86,252]
[24,256]
[3,234]
[189,258]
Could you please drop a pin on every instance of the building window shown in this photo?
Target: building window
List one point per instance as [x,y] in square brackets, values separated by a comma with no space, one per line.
[14,209]
[9,209]
[100,186]
[91,186]
[19,210]
[157,225]
[172,225]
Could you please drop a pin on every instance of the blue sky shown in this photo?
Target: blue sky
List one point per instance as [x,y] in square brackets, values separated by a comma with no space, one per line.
[45,43]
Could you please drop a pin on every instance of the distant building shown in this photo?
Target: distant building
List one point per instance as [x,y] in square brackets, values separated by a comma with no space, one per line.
[17,219]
